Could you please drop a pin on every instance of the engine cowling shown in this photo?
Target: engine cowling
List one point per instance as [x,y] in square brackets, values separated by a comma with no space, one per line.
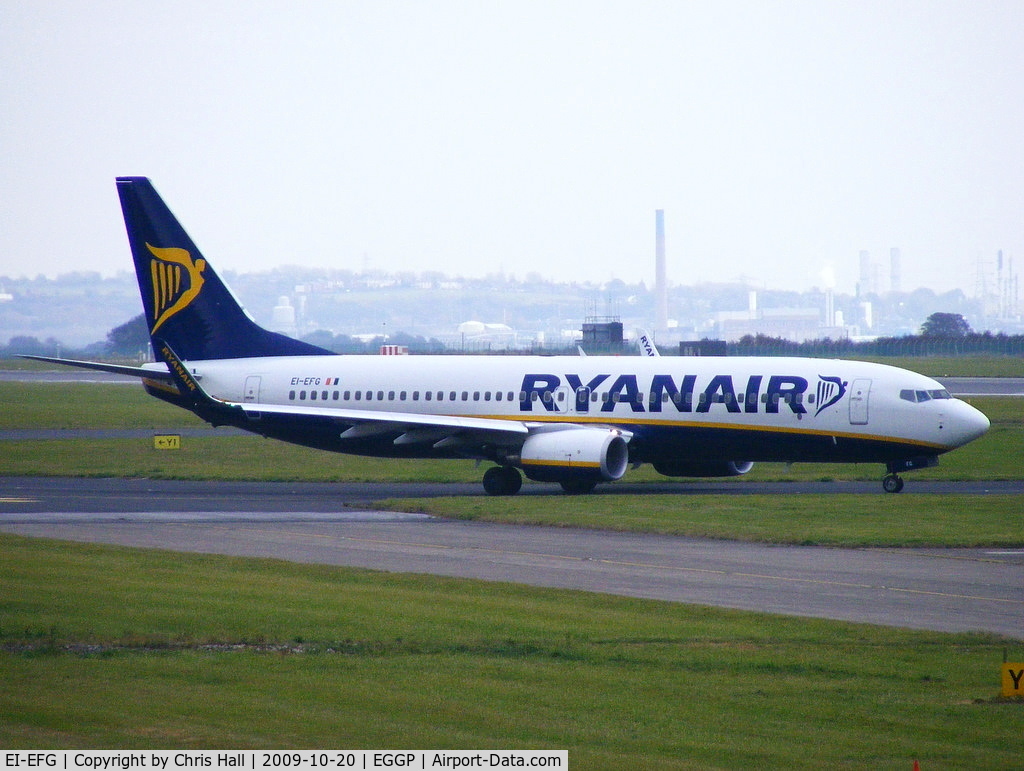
[575,453]
[680,468]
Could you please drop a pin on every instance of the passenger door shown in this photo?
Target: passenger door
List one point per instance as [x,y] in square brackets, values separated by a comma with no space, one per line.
[252,389]
[859,393]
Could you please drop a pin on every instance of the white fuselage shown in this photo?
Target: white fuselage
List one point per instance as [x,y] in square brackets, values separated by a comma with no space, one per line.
[768,399]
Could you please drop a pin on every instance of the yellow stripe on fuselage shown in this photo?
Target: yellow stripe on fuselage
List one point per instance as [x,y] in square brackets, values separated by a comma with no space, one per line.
[627,424]
[561,463]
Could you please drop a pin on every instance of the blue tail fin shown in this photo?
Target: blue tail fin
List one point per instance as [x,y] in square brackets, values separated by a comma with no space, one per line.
[186,303]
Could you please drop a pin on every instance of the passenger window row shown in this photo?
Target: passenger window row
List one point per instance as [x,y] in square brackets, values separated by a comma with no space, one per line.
[548,396]
[401,396]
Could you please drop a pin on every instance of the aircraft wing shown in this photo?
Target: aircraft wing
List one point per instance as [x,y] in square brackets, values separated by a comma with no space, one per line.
[153,371]
[467,433]
[367,423]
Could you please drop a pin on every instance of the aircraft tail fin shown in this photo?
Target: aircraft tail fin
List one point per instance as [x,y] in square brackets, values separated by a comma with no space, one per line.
[186,303]
[646,344]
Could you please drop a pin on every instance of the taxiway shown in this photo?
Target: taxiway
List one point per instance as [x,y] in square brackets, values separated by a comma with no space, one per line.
[936,589]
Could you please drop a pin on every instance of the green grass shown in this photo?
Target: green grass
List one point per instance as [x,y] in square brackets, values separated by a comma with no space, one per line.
[87,405]
[826,520]
[955,366]
[225,457]
[110,647]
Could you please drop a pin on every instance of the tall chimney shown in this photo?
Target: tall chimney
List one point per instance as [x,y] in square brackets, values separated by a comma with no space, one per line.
[660,280]
[864,286]
[895,270]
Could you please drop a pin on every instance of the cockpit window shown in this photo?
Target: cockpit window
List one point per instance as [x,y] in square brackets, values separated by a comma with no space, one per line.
[910,395]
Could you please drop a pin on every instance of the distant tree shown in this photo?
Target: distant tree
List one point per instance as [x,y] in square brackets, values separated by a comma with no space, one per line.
[130,338]
[945,325]
[417,343]
[30,345]
[346,344]
[320,337]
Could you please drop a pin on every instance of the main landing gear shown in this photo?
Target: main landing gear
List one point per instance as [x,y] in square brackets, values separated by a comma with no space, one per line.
[502,480]
[506,480]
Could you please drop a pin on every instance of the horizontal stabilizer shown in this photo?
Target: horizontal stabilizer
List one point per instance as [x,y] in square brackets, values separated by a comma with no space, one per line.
[154,371]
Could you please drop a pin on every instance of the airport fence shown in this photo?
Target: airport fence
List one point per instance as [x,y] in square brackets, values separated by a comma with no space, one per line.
[973,344]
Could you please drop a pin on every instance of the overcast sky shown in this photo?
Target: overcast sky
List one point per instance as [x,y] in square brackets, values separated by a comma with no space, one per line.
[473,137]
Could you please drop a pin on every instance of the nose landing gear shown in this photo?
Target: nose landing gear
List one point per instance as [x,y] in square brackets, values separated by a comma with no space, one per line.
[892,483]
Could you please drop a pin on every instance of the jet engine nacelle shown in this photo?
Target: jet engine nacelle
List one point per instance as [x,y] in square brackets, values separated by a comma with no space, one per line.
[682,468]
[575,453]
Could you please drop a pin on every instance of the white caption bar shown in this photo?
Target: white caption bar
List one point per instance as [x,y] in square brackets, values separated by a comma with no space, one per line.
[268,760]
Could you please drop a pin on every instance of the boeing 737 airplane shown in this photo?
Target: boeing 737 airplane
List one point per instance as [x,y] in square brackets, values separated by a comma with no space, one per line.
[577,421]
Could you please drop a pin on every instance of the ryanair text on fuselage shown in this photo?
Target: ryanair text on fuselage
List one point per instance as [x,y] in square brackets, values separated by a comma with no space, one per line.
[684,396]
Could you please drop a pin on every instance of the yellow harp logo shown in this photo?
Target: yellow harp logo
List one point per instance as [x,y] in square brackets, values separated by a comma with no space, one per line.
[176,281]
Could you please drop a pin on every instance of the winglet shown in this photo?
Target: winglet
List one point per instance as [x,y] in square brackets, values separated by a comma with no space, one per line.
[187,385]
[193,395]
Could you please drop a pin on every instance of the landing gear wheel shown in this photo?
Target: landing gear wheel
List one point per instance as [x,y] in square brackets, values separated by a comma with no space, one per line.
[892,483]
[578,486]
[502,480]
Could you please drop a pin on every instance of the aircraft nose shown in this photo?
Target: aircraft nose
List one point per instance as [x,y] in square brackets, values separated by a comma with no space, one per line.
[968,423]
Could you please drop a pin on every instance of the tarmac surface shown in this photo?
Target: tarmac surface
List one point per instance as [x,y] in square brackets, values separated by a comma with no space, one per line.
[933,589]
